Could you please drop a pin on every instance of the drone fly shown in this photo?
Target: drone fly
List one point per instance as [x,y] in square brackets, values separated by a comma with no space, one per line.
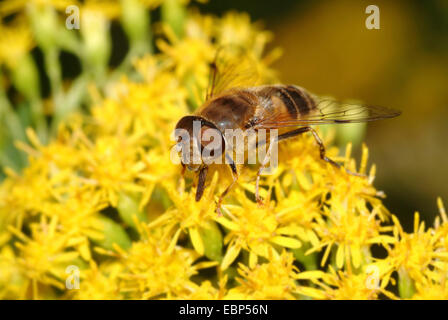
[234,101]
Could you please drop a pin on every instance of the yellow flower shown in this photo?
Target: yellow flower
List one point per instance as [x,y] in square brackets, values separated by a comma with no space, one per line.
[77,213]
[45,255]
[190,58]
[154,271]
[104,196]
[346,220]
[236,28]
[275,279]
[254,229]
[344,285]
[352,233]
[15,42]
[204,291]
[12,282]
[148,109]
[99,283]
[188,215]
[427,289]
[415,253]
[441,228]
[111,165]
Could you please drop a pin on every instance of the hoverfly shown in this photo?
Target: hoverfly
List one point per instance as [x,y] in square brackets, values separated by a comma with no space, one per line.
[234,101]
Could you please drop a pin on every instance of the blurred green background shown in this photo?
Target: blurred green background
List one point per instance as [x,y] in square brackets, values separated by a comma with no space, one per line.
[404,65]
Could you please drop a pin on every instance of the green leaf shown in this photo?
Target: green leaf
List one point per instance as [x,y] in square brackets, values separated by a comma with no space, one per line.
[309,261]
[113,233]
[128,207]
[406,286]
[212,240]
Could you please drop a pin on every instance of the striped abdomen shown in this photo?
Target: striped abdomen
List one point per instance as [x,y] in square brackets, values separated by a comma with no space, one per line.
[286,101]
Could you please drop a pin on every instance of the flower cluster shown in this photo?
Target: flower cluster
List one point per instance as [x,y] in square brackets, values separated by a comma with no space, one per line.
[103,198]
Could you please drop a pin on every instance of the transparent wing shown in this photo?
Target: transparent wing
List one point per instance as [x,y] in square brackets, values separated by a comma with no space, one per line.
[232,67]
[329,111]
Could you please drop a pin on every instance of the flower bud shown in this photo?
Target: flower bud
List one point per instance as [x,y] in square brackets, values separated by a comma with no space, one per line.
[173,14]
[97,43]
[135,20]
[26,77]
[44,23]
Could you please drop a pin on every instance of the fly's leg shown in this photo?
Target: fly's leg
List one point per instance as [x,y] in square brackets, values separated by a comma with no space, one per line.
[319,142]
[291,134]
[182,179]
[201,182]
[235,179]
[322,148]
[324,157]
[260,170]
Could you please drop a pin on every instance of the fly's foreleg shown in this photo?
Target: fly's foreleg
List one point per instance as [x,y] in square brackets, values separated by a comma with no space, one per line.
[260,170]
[229,187]
[181,182]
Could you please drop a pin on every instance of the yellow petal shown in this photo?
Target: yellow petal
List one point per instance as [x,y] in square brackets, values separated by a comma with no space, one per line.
[251,188]
[196,240]
[259,248]
[174,241]
[382,239]
[253,259]
[356,256]
[286,242]
[232,253]
[340,256]
[205,264]
[325,257]
[308,275]
[312,292]
[227,223]
[84,250]
[289,230]
[303,180]
[67,256]
[313,238]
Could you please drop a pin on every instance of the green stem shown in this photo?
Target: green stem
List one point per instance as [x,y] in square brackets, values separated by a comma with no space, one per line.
[53,69]
[173,13]
[406,286]
[72,101]
[39,120]
[9,156]
[12,121]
